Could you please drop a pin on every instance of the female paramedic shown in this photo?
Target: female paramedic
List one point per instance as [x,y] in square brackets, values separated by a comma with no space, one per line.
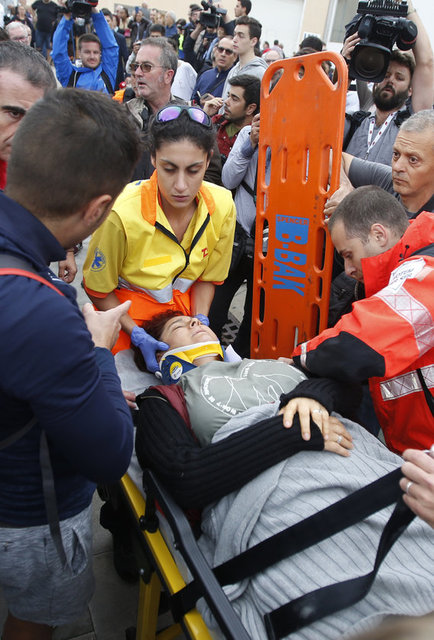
[168,240]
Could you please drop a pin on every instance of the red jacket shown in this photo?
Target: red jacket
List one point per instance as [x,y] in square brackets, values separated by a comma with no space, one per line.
[389,338]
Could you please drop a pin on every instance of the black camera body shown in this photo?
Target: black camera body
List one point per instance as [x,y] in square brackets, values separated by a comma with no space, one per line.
[211,16]
[79,8]
[380,24]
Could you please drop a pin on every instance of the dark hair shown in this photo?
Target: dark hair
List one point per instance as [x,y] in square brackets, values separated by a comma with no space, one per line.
[313,42]
[157,27]
[107,12]
[404,59]
[366,206]
[89,37]
[94,147]
[255,27]
[252,88]
[168,57]
[155,327]
[3,35]
[27,63]
[183,128]
[247,5]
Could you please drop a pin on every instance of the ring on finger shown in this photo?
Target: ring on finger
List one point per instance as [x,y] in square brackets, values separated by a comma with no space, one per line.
[408,487]
[317,411]
[339,440]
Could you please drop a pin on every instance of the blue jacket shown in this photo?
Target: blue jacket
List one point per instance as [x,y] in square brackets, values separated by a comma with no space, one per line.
[49,369]
[87,78]
[211,81]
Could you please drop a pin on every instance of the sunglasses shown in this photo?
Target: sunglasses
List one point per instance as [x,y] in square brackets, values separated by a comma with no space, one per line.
[172,112]
[145,67]
[227,51]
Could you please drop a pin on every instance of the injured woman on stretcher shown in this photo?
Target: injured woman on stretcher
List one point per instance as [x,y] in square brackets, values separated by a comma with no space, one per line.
[218,442]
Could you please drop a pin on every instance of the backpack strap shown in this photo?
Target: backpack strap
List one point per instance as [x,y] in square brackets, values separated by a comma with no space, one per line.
[73,79]
[12,265]
[355,119]
[72,82]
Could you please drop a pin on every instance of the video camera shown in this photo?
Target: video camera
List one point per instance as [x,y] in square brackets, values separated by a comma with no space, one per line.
[79,8]
[380,24]
[211,16]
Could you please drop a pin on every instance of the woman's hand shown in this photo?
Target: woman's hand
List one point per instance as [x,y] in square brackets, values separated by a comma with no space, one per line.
[339,440]
[418,483]
[306,408]
[336,437]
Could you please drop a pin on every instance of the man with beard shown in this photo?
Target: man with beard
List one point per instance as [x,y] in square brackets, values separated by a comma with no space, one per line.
[406,89]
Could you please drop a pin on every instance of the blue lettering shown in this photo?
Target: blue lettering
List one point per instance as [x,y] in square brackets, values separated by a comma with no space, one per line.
[298,287]
[291,229]
[290,256]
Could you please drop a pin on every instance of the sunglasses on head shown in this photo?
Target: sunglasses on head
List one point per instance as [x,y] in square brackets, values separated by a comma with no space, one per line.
[172,112]
[221,49]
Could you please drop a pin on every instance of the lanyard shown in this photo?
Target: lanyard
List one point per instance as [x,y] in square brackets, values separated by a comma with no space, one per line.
[371,143]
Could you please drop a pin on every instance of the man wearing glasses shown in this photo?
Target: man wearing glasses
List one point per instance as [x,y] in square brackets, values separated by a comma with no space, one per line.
[154,70]
[210,83]
[99,56]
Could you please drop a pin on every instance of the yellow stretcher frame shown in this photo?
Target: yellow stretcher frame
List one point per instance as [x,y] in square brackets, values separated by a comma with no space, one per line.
[165,573]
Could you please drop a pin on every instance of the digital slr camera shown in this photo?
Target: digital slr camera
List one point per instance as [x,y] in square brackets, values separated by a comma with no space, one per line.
[380,24]
[211,16]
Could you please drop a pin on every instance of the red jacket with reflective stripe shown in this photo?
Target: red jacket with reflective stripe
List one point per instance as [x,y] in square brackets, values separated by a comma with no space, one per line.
[389,338]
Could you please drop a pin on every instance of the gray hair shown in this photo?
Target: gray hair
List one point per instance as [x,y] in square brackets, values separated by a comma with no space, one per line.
[27,63]
[419,121]
[168,57]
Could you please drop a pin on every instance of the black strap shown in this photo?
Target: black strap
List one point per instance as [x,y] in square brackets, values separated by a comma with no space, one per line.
[12,261]
[328,600]
[72,82]
[217,84]
[427,393]
[50,499]
[355,119]
[14,437]
[194,242]
[48,488]
[323,524]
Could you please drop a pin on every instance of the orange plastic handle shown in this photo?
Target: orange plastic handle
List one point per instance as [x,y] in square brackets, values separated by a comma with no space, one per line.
[301,133]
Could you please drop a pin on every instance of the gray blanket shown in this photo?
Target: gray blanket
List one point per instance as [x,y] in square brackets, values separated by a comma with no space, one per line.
[290,492]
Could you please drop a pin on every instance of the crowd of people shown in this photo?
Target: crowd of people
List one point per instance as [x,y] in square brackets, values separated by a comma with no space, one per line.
[142,129]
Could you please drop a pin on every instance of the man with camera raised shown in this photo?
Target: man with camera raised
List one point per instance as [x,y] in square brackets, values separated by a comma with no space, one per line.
[98,53]
[371,136]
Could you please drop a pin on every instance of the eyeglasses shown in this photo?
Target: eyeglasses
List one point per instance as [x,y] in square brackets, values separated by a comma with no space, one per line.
[145,67]
[167,114]
[172,112]
[228,51]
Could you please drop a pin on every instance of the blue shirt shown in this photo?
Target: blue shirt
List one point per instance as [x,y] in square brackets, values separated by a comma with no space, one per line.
[49,369]
[86,78]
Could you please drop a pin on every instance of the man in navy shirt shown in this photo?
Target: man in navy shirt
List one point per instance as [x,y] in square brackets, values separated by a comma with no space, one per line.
[65,423]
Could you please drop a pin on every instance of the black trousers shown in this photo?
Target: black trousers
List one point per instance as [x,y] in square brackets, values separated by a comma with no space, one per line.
[224,293]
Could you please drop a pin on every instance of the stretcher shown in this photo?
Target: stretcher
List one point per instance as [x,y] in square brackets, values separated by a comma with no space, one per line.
[171,552]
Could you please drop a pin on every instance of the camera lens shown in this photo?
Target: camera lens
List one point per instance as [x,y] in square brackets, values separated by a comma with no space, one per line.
[368,62]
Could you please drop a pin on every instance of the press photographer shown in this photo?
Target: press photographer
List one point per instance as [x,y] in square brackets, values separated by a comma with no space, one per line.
[198,44]
[98,53]
[408,82]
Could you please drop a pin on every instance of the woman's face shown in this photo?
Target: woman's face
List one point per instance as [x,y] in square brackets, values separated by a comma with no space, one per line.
[182,331]
[180,169]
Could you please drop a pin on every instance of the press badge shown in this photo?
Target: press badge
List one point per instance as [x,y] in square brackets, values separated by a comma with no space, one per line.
[405,272]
